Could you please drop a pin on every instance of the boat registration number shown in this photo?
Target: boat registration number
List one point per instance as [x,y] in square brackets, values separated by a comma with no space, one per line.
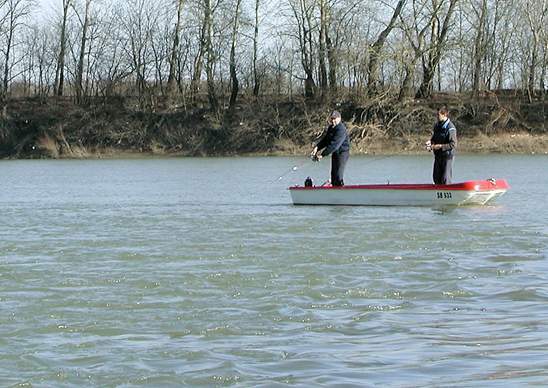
[442,195]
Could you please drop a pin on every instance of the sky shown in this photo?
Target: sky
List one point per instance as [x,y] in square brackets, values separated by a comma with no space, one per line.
[47,8]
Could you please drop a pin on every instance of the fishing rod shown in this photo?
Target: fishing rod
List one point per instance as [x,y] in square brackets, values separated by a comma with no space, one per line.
[315,159]
[297,166]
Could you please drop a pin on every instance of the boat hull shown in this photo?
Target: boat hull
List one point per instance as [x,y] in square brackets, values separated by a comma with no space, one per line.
[478,192]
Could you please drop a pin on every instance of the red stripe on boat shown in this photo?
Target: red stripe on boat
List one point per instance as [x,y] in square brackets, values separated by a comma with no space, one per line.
[480,185]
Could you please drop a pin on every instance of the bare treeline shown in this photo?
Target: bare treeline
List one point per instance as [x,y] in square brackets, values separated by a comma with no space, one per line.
[221,49]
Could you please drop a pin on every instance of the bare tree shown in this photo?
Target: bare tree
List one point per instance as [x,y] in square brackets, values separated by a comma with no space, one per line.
[233,75]
[175,49]
[331,56]
[303,11]
[147,48]
[15,13]
[375,50]
[536,13]
[103,33]
[256,80]
[140,21]
[210,55]
[323,81]
[84,22]
[438,35]
[203,45]
[115,67]
[415,27]
[544,45]
[60,71]
[499,46]
[344,23]
[479,43]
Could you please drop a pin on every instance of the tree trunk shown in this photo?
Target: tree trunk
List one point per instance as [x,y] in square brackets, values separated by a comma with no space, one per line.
[171,81]
[9,42]
[533,66]
[16,10]
[208,21]
[199,59]
[536,12]
[333,64]
[309,85]
[80,68]
[542,80]
[256,81]
[60,70]
[406,90]
[233,75]
[322,50]
[303,16]
[479,48]
[373,77]
[437,45]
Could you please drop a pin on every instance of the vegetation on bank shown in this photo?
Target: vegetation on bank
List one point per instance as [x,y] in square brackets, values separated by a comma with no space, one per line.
[57,127]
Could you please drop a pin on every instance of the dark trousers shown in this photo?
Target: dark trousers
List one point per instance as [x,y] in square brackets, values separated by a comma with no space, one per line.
[338,163]
[443,170]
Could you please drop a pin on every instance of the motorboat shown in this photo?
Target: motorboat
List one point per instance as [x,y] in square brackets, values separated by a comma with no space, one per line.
[474,192]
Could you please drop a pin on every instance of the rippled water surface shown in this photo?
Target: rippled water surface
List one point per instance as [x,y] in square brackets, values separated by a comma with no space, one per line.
[169,272]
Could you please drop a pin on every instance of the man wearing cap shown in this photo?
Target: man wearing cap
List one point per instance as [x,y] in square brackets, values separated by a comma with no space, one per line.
[337,143]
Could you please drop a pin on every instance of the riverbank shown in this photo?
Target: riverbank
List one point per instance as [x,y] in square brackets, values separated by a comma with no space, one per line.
[511,143]
[120,127]
[520,143]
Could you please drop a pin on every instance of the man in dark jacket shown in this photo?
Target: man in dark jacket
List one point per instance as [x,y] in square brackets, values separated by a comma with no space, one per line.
[443,143]
[337,143]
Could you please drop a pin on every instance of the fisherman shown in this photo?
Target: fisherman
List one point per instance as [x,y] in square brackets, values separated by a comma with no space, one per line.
[443,143]
[337,143]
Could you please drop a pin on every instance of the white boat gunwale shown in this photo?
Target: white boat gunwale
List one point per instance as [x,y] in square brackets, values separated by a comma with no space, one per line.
[476,192]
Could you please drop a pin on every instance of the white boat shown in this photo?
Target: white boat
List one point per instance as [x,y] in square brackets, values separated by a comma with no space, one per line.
[478,192]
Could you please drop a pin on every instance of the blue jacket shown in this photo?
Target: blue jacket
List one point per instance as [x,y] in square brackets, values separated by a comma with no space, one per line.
[335,140]
[445,133]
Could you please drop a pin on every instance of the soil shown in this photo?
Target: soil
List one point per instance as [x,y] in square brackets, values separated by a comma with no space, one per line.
[503,122]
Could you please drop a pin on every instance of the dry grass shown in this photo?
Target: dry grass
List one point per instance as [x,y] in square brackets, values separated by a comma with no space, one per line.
[49,146]
[518,143]
[267,126]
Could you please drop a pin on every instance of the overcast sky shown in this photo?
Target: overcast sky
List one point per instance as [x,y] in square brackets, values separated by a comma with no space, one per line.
[47,8]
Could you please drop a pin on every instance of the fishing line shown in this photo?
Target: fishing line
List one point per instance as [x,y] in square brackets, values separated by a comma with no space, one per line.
[312,160]
[294,168]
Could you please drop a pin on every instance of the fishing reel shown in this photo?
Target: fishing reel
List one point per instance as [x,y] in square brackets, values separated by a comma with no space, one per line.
[314,158]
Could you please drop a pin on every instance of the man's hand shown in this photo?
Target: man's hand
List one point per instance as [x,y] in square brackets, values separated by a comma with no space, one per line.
[315,155]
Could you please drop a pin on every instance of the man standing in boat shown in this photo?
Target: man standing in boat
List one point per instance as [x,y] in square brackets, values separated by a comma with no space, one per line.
[337,143]
[443,143]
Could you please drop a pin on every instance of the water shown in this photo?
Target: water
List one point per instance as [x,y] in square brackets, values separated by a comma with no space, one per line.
[170,272]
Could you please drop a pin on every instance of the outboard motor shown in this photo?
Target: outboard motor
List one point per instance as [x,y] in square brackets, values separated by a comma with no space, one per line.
[308,182]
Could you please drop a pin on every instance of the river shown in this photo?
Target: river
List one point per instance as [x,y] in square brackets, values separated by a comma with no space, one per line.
[200,272]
